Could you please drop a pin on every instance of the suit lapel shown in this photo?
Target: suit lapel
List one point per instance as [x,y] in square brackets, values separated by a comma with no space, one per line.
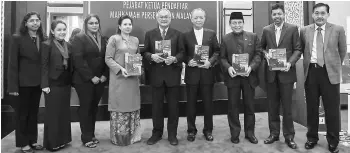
[284,30]
[92,42]
[193,36]
[311,33]
[205,37]
[31,44]
[273,35]
[245,40]
[327,35]
[168,34]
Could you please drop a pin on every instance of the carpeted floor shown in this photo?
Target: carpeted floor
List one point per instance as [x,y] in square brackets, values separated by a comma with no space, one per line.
[221,143]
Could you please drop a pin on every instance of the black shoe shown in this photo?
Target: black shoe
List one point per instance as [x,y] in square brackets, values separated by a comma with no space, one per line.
[191,137]
[271,139]
[333,149]
[37,147]
[252,139]
[173,141]
[291,143]
[30,150]
[310,144]
[235,140]
[153,139]
[208,136]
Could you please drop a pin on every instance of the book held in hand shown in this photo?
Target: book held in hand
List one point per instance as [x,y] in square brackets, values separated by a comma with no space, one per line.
[278,59]
[201,53]
[163,48]
[133,63]
[240,63]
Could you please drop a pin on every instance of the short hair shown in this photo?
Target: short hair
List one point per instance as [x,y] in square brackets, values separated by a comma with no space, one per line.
[54,25]
[320,5]
[198,9]
[121,19]
[74,32]
[277,6]
[163,9]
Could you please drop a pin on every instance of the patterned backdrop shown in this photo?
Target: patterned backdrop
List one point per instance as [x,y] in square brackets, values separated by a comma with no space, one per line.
[2,45]
[294,12]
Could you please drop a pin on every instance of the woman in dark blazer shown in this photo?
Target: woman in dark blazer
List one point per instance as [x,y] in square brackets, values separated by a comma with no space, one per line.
[56,84]
[24,80]
[89,75]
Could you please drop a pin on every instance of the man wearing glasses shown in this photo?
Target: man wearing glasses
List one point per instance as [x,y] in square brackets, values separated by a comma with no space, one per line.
[164,51]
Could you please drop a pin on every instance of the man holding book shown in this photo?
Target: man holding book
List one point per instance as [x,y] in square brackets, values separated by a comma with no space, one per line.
[280,42]
[202,49]
[164,51]
[240,58]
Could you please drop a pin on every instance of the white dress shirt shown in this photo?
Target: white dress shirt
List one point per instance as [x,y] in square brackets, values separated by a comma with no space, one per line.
[314,44]
[278,31]
[199,36]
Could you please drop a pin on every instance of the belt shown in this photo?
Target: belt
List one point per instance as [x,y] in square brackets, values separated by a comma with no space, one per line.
[315,65]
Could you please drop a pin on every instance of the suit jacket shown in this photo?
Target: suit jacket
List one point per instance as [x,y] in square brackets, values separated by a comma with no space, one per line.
[195,75]
[88,61]
[251,46]
[52,62]
[334,49]
[289,39]
[24,63]
[160,72]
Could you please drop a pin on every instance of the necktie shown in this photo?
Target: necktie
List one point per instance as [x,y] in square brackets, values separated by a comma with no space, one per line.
[163,34]
[319,47]
[278,35]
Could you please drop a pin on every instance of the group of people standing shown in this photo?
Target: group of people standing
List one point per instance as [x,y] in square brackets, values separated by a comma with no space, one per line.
[90,60]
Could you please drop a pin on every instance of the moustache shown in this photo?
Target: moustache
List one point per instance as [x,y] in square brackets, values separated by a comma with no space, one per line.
[319,19]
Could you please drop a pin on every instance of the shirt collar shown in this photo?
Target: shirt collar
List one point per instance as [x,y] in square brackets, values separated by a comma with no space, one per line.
[161,30]
[279,26]
[200,30]
[323,27]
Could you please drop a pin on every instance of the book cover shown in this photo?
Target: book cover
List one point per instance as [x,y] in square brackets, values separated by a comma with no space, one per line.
[133,63]
[201,53]
[163,48]
[240,62]
[278,59]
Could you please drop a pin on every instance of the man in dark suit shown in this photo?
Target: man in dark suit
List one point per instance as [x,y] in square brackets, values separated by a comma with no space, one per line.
[200,78]
[324,46]
[280,83]
[165,76]
[240,42]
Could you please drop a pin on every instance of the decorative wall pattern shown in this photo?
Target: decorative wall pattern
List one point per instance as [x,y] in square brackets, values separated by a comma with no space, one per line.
[294,12]
[2,3]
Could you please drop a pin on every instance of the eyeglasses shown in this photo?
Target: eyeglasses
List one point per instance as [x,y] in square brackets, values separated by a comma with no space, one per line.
[237,23]
[92,23]
[320,13]
[34,20]
[164,17]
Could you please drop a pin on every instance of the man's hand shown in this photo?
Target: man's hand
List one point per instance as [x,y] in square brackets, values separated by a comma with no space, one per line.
[95,80]
[14,93]
[192,63]
[46,90]
[248,72]
[156,58]
[103,79]
[206,65]
[287,68]
[169,60]
[232,72]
